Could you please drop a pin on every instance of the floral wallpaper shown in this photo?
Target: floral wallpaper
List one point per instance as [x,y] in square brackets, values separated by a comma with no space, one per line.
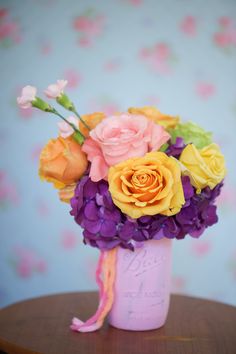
[178,55]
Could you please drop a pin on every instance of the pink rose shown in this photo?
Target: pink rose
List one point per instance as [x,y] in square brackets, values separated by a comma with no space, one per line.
[28,95]
[65,129]
[55,90]
[118,138]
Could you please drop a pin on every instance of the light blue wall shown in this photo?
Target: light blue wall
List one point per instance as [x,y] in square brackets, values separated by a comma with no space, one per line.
[176,54]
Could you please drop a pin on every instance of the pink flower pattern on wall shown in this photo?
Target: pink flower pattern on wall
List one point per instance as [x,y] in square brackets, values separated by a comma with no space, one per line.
[189,26]
[89,27]
[103,104]
[9,195]
[205,89]
[27,262]
[159,58]
[9,29]
[225,36]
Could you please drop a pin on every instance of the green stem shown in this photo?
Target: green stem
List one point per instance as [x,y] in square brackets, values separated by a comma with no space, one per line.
[54,111]
[80,118]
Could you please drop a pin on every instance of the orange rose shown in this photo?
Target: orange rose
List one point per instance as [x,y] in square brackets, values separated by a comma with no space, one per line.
[91,120]
[62,162]
[154,114]
[147,185]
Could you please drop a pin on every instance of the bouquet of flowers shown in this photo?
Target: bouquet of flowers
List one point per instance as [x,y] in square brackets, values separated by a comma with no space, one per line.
[132,177]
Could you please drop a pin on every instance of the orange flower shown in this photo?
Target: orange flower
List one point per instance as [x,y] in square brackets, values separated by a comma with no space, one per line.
[154,114]
[91,120]
[147,185]
[62,162]
[66,193]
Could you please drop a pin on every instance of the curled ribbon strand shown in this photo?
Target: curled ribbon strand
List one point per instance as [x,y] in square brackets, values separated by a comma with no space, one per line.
[106,267]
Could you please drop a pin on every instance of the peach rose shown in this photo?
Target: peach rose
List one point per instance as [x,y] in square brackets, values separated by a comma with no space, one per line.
[147,185]
[119,138]
[154,114]
[92,120]
[62,162]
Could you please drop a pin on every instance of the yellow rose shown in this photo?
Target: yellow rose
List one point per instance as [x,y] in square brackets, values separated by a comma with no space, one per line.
[205,167]
[62,162]
[154,114]
[147,185]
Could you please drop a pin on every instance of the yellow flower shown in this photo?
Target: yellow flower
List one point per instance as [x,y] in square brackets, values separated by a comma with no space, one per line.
[205,167]
[147,185]
[154,114]
[62,162]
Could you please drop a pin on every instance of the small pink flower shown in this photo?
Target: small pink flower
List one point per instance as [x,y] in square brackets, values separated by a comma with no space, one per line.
[136,2]
[222,39]
[24,269]
[28,95]
[119,138]
[46,48]
[41,266]
[81,23]
[8,190]
[232,36]
[201,248]
[55,90]
[65,129]
[73,77]
[145,53]
[205,89]
[85,42]
[188,25]
[161,51]
[178,284]
[69,239]
[112,65]
[158,57]
[42,208]
[225,21]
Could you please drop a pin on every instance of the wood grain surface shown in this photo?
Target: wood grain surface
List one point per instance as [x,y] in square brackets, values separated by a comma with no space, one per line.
[41,325]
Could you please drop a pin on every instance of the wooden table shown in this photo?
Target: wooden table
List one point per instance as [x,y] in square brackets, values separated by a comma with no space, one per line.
[41,325]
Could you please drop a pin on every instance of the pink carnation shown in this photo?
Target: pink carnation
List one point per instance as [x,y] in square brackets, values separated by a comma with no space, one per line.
[65,129]
[55,90]
[28,95]
[119,138]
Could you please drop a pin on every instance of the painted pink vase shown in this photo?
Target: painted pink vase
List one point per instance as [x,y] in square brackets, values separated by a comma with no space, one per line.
[142,286]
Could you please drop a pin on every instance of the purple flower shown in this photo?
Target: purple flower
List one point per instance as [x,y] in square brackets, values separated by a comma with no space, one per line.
[106,227]
[176,148]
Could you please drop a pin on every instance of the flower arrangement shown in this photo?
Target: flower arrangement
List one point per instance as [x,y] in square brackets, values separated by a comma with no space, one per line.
[131,177]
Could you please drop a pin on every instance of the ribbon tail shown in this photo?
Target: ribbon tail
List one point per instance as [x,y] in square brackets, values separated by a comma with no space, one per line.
[106,265]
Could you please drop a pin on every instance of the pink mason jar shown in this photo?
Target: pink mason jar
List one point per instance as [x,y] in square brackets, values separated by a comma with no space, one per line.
[142,286]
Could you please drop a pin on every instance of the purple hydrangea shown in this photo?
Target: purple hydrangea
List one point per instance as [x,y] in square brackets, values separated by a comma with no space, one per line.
[176,148]
[105,226]
[94,210]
